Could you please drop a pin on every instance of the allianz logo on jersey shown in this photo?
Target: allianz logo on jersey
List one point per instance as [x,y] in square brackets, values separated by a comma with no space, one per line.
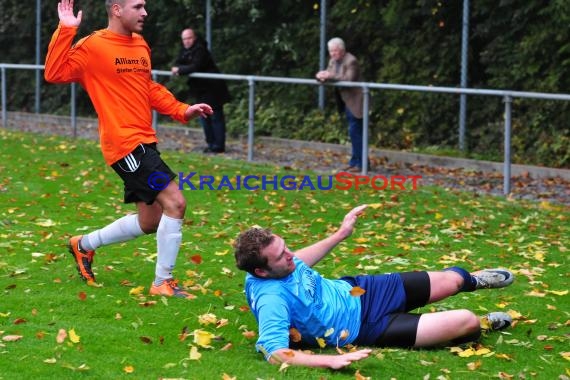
[131,61]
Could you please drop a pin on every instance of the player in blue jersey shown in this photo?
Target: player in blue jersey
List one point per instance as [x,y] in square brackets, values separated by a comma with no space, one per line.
[296,307]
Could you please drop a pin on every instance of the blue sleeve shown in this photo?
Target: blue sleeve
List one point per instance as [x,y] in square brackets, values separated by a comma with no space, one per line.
[273,320]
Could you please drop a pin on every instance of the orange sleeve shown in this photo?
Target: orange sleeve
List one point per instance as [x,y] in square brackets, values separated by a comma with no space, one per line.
[163,101]
[63,64]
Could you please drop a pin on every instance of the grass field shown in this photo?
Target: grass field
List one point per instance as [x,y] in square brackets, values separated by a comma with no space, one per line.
[52,325]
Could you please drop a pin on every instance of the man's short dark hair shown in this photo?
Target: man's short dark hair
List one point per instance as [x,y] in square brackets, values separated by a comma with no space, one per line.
[248,247]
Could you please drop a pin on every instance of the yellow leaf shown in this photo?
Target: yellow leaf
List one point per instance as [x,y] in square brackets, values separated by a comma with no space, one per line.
[73,337]
[284,366]
[50,361]
[565,355]
[194,354]
[467,353]
[558,292]
[203,338]
[344,334]
[375,205]
[221,253]
[504,356]
[225,376]
[136,291]
[129,369]
[321,342]
[482,351]
[329,332]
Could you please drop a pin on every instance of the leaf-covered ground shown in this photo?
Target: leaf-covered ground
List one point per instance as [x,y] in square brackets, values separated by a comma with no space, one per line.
[54,326]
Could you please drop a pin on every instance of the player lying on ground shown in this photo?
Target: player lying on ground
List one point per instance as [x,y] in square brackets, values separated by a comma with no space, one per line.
[296,307]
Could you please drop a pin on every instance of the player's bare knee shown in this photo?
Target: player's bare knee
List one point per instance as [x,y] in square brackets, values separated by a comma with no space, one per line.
[470,322]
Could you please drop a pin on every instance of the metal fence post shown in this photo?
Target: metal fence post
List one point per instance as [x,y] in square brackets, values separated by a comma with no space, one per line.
[464,54]
[73,111]
[322,52]
[154,113]
[365,120]
[251,117]
[4,114]
[507,164]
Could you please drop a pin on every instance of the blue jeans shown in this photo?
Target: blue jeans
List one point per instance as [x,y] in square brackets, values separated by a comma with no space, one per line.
[355,133]
[214,127]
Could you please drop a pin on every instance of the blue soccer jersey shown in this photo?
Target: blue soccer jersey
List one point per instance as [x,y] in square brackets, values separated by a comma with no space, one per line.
[321,310]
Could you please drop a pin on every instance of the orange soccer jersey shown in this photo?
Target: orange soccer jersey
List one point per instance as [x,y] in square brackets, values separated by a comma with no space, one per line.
[115,70]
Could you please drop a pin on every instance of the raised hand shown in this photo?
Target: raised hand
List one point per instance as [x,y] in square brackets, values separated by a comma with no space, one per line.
[66,16]
[349,220]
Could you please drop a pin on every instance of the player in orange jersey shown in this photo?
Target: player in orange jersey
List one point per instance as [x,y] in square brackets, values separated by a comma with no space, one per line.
[113,65]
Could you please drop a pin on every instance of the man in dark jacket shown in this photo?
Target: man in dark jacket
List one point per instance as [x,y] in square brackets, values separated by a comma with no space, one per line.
[195,57]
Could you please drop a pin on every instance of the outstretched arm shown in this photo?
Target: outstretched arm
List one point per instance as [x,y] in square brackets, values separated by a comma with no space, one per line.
[314,253]
[322,361]
[64,64]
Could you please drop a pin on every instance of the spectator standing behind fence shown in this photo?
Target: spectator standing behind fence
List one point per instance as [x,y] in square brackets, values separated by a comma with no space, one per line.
[195,57]
[344,66]
[113,65]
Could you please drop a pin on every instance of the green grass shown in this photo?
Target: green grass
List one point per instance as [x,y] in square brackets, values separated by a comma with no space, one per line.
[52,188]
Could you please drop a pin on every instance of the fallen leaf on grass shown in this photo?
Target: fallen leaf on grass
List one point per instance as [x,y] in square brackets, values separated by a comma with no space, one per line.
[73,337]
[129,369]
[194,354]
[136,291]
[12,338]
[359,376]
[61,335]
[206,319]
[227,347]
[472,366]
[203,338]
[284,366]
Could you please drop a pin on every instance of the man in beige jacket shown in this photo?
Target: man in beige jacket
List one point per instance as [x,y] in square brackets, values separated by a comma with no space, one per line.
[343,66]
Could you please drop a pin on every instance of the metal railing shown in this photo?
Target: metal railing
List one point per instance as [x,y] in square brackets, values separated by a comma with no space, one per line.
[251,80]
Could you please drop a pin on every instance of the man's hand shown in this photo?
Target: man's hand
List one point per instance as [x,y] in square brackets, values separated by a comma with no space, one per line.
[175,70]
[349,221]
[198,110]
[318,360]
[341,361]
[323,75]
[66,16]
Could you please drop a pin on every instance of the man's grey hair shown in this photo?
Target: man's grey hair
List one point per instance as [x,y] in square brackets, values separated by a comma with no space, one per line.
[338,42]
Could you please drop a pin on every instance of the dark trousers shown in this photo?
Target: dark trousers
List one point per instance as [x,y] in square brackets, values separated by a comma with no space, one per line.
[215,129]
[355,132]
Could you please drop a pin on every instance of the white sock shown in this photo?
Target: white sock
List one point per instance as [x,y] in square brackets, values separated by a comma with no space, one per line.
[168,239]
[123,229]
